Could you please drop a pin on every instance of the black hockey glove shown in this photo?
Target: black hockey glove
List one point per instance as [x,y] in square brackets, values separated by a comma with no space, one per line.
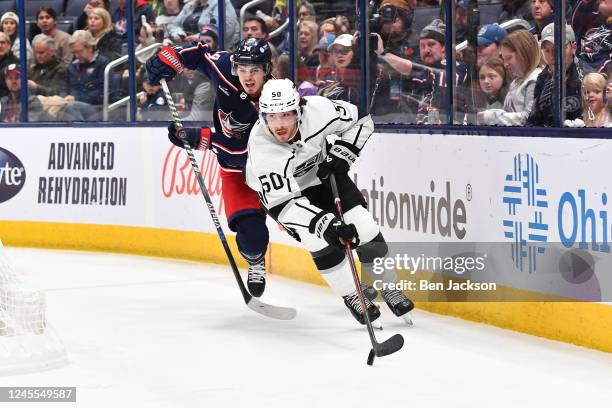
[166,64]
[198,138]
[329,227]
[340,158]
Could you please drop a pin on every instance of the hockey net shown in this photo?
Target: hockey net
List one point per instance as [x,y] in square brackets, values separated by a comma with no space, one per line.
[27,342]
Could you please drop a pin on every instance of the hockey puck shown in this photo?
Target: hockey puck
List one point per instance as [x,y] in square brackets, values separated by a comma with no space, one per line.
[371,357]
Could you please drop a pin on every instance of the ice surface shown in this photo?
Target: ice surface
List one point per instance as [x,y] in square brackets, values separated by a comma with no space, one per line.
[146,332]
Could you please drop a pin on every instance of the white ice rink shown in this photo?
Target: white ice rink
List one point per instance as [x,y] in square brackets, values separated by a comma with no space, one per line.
[146,332]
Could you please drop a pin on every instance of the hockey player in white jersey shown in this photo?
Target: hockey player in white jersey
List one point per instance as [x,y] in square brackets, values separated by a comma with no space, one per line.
[289,164]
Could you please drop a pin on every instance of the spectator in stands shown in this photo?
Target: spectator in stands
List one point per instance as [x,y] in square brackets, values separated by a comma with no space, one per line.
[596,47]
[430,83]
[489,38]
[345,69]
[330,26]
[542,13]
[152,104]
[48,75]
[46,21]
[596,108]
[396,44]
[494,81]
[85,82]
[6,58]
[396,29]
[541,111]
[119,17]
[119,20]
[307,40]
[196,13]
[9,23]
[198,92]
[344,22]
[280,69]
[582,16]
[82,21]
[254,27]
[210,36]
[521,55]
[461,21]
[326,63]
[101,28]
[148,36]
[306,12]
[167,14]
[10,105]
[512,9]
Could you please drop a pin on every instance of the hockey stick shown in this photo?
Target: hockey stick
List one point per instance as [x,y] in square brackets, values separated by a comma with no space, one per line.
[393,343]
[275,312]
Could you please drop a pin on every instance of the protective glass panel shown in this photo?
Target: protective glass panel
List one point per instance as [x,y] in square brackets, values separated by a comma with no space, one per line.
[327,49]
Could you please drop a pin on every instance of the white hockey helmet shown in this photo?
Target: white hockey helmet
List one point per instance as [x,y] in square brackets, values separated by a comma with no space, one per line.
[279,95]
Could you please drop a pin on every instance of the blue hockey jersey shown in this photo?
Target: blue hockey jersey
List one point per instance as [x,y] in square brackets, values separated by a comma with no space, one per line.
[234,112]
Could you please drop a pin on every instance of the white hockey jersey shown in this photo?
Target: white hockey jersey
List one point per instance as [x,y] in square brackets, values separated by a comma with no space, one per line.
[280,172]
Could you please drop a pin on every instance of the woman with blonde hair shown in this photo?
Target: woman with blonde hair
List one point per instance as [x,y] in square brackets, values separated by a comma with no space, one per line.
[308,39]
[522,57]
[594,101]
[100,26]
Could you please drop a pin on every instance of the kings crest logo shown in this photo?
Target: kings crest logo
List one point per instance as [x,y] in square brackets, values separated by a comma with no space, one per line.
[231,127]
[525,199]
[12,175]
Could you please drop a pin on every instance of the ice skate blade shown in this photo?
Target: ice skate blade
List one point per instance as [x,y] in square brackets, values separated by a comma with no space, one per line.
[377,325]
[408,319]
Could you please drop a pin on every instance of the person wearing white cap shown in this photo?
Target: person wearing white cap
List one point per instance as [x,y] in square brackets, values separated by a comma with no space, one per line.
[345,70]
[9,23]
[541,112]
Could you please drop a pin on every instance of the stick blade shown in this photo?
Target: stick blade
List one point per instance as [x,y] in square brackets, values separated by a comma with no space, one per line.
[389,346]
[271,311]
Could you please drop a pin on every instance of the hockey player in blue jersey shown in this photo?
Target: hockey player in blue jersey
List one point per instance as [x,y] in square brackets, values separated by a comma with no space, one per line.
[237,79]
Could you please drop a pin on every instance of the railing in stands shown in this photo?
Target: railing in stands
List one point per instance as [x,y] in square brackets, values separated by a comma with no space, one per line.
[113,64]
[246,7]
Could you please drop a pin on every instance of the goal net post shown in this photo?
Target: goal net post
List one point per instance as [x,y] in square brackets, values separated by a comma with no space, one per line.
[27,341]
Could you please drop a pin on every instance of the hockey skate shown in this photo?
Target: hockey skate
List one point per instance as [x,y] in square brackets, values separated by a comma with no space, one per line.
[369,291]
[399,304]
[354,305]
[256,278]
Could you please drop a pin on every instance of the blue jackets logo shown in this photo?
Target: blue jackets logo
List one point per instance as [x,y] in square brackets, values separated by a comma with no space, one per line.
[526,200]
[12,175]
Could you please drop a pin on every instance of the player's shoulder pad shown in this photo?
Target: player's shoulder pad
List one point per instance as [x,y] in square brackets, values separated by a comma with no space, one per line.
[321,108]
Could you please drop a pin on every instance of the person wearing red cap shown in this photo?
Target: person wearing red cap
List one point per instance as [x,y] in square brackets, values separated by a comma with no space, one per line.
[10,105]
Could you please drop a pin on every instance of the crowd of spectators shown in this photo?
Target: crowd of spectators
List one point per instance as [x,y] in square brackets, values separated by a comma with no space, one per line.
[503,77]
